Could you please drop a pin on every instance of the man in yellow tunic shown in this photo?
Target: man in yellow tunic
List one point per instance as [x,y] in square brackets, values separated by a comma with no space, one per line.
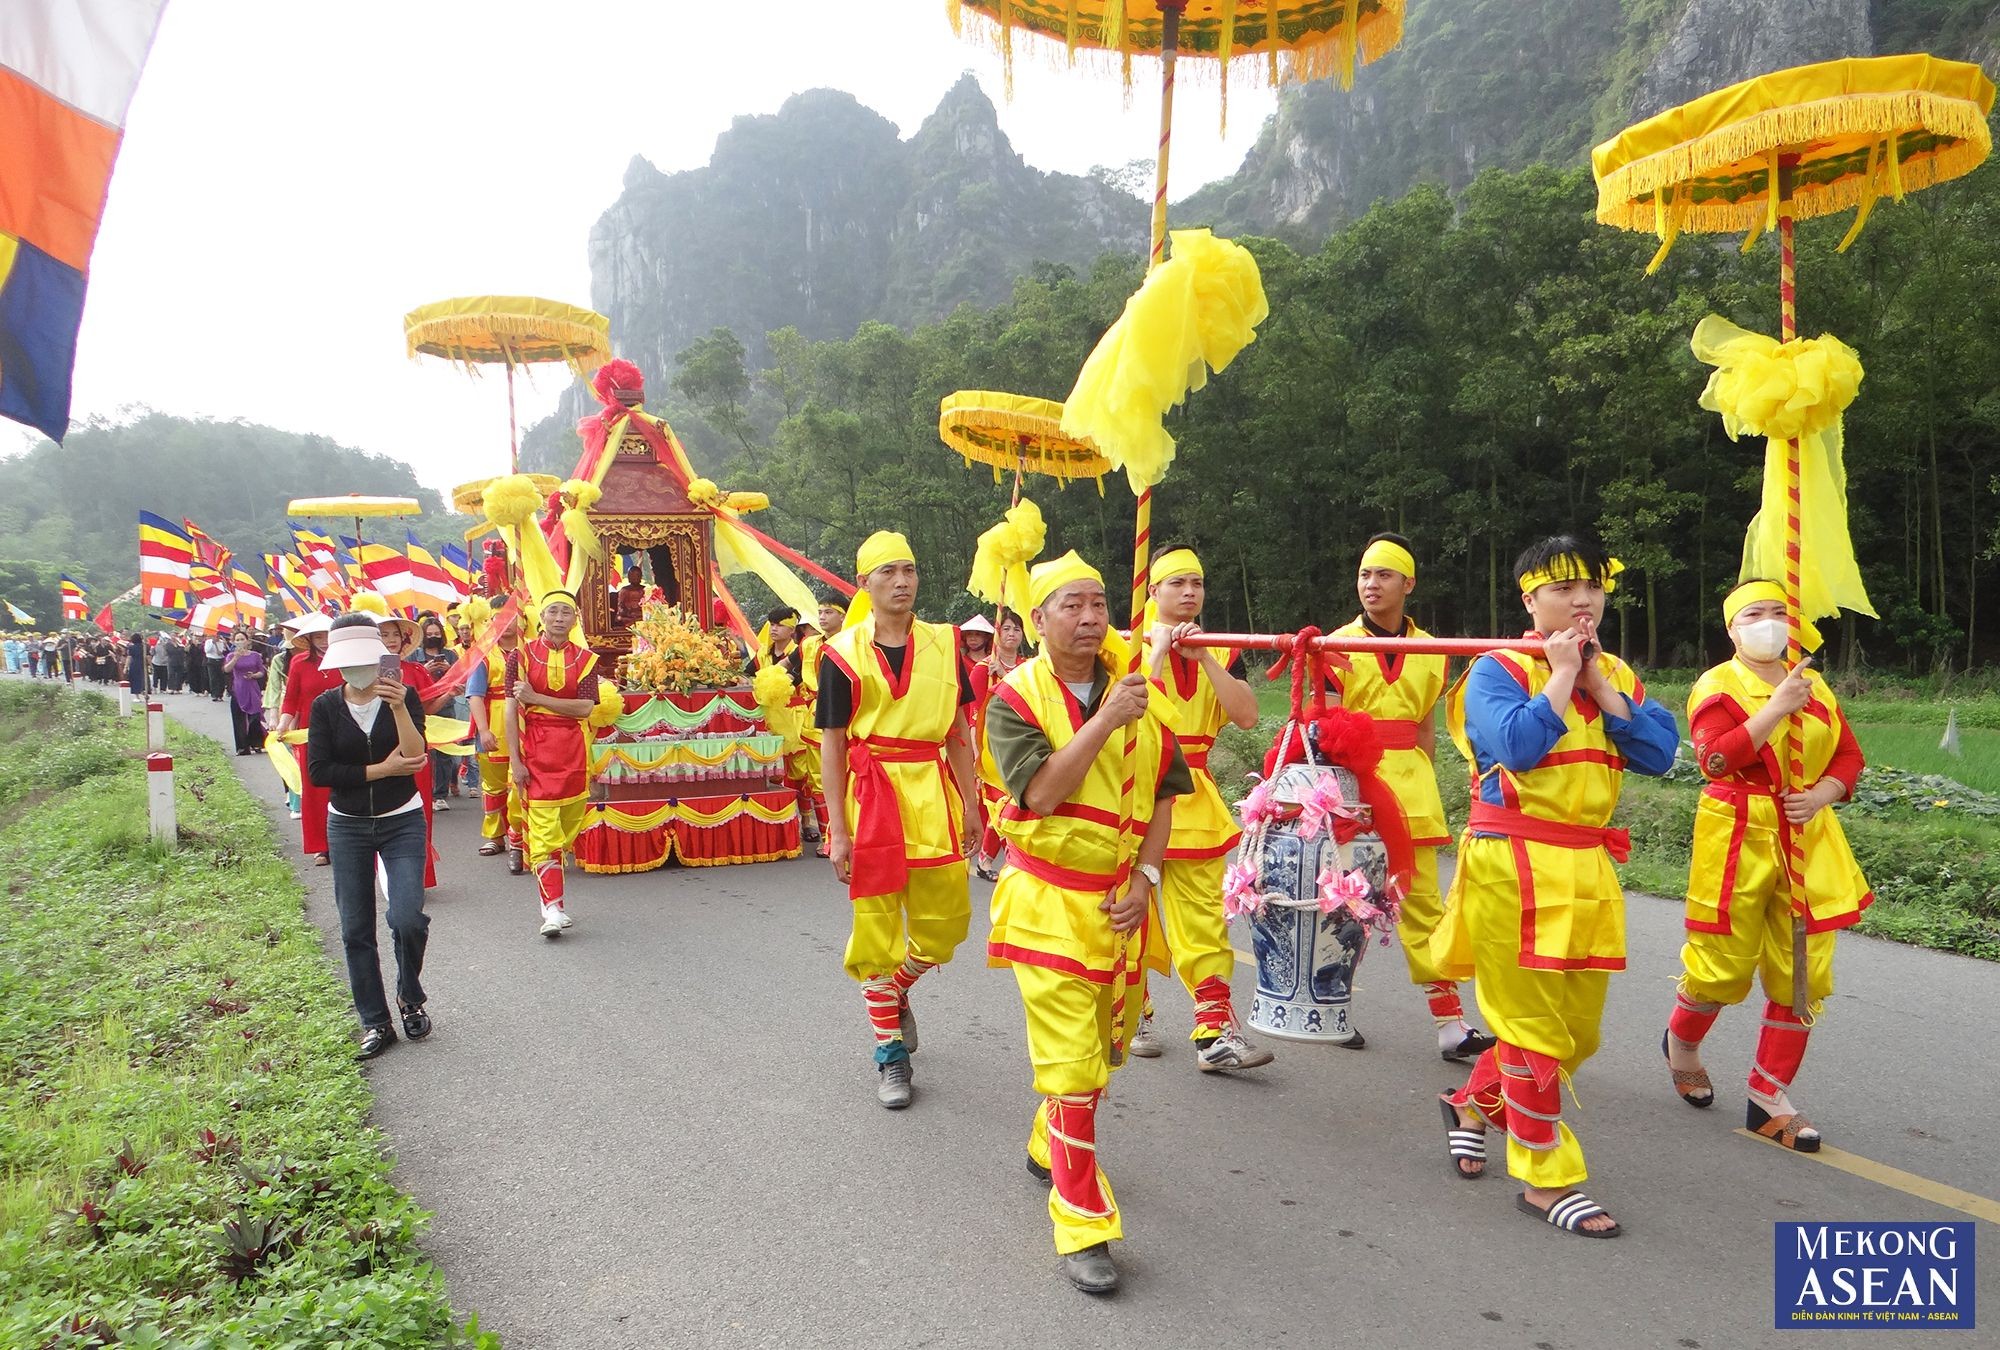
[832,618]
[551,692]
[1399,693]
[1083,871]
[1197,697]
[1739,908]
[1535,911]
[892,696]
[486,692]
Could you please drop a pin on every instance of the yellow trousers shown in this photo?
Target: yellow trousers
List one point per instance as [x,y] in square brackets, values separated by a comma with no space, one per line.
[1556,1013]
[1192,937]
[927,919]
[1423,908]
[1069,1032]
[802,768]
[495,781]
[1720,966]
[553,828]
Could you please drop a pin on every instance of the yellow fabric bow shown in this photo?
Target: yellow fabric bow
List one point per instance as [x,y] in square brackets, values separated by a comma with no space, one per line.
[1000,565]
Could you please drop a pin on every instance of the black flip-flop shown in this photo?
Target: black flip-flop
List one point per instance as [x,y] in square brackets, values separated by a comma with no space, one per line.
[1569,1212]
[1461,1143]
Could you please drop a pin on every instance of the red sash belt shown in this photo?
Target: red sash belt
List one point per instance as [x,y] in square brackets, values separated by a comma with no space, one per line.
[1737,795]
[1397,733]
[880,865]
[1068,878]
[1490,819]
[1194,749]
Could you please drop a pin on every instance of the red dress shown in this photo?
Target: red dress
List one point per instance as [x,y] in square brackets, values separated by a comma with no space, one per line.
[304,682]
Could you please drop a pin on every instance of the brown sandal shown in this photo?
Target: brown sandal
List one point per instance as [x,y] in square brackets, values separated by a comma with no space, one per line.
[1784,1131]
[1693,1084]
[491,848]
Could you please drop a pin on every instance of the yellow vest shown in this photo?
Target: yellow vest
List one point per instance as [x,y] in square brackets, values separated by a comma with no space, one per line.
[1060,866]
[1203,827]
[808,690]
[1738,851]
[496,702]
[905,728]
[1572,908]
[1401,694]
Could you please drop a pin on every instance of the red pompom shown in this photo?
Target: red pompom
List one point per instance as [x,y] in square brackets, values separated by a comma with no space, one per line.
[1346,738]
[615,375]
[495,568]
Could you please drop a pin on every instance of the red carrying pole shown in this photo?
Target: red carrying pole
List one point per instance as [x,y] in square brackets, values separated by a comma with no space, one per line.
[1792,748]
[1423,646]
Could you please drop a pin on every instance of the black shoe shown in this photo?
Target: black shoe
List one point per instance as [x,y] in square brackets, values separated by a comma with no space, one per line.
[1091,1269]
[1476,1043]
[1039,1172]
[416,1022]
[374,1040]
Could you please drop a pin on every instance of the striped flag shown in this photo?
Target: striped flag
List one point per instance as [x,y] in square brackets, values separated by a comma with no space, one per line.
[214,602]
[428,579]
[250,605]
[278,570]
[322,564]
[388,574]
[73,592]
[207,549]
[17,614]
[165,556]
[67,75]
[457,565]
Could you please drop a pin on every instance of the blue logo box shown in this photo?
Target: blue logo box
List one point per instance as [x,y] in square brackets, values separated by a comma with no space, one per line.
[1875,1276]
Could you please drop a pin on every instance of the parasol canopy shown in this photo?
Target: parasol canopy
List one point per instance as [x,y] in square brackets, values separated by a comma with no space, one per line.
[1319,37]
[1014,431]
[509,330]
[1848,131]
[353,506]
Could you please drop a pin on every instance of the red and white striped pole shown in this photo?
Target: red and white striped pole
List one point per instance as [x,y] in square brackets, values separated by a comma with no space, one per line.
[160,799]
[156,727]
[1791,745]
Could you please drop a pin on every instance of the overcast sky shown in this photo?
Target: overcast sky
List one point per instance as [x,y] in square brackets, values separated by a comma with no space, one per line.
[295,177]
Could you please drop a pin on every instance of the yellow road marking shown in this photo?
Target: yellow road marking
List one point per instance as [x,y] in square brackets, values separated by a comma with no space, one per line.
[1965,1202]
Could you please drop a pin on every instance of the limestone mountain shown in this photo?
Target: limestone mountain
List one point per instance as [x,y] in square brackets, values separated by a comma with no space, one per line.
[821,216]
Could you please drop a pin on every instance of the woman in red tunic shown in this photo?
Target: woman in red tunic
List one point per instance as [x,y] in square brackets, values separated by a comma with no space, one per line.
[304,682]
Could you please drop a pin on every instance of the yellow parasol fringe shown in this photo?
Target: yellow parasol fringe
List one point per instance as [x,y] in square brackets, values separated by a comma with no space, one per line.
[509,330]
[1626,190]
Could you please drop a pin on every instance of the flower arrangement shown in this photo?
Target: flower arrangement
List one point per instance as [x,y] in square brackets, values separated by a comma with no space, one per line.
[671,653]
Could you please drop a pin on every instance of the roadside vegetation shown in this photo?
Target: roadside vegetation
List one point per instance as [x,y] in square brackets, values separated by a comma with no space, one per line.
[185,1154]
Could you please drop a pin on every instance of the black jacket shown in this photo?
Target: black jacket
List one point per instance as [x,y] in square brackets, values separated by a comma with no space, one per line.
[338,755]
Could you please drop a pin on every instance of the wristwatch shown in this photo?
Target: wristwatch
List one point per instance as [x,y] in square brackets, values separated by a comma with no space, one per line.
[1150,872]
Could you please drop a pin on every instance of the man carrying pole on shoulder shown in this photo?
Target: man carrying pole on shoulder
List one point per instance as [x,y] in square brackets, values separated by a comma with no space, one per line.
[1399,693]
[1081,874]
[1197,697]
[898,764]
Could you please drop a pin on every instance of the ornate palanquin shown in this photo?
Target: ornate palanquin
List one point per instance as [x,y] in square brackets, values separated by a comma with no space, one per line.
[694,775]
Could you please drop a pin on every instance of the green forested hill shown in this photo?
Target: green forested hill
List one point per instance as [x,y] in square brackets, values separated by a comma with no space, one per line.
[76,506]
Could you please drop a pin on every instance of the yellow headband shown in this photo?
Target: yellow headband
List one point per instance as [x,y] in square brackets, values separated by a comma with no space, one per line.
[1180,562]
[1045,579]
[557,596]
[1569,567]
[1395,557]
[880,549]
[1756,592]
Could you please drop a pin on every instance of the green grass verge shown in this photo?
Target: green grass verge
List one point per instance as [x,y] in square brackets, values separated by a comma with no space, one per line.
[185,1154]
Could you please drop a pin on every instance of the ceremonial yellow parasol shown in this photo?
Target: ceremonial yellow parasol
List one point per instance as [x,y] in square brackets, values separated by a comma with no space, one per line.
[1759,155]
[509,330]
[469,499]
[1015,431]
[353,506]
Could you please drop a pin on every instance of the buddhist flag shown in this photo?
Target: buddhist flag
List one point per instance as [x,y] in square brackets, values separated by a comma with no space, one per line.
[17,614]
[206,548]
[457,565]
[165,556]
[214,601]
[278,570]
[433,588]
[322,563]
[250,605]
[73,592]
[67,74]
[388,573]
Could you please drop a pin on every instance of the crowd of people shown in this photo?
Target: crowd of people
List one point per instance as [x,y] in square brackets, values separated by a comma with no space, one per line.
[1076,780]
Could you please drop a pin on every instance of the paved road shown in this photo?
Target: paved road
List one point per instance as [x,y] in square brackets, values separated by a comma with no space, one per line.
[661,1130]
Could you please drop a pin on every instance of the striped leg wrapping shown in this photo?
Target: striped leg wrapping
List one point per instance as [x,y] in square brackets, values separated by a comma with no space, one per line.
[907,975]
[1691,1019]
[1073,1154]
[1481,1093]
[1781,1048]
[884,1003]
[549,882]
[1532,1089]
[1212,1008]
[1446,1006]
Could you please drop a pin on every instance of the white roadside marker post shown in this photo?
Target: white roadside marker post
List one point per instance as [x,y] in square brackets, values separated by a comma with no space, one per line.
[160,798]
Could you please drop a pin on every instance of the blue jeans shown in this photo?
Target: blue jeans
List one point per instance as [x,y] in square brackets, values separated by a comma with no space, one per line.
[353,844]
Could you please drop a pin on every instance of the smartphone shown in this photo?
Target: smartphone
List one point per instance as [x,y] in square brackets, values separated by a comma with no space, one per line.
[389,667]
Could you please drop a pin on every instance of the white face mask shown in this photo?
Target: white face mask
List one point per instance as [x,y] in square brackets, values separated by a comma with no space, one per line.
[1764,640]
[359,677]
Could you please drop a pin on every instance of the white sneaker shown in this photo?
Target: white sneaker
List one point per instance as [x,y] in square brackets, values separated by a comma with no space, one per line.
[563,918]
[1145,1041]
[552,921]
[440,804]
[1230,1051]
